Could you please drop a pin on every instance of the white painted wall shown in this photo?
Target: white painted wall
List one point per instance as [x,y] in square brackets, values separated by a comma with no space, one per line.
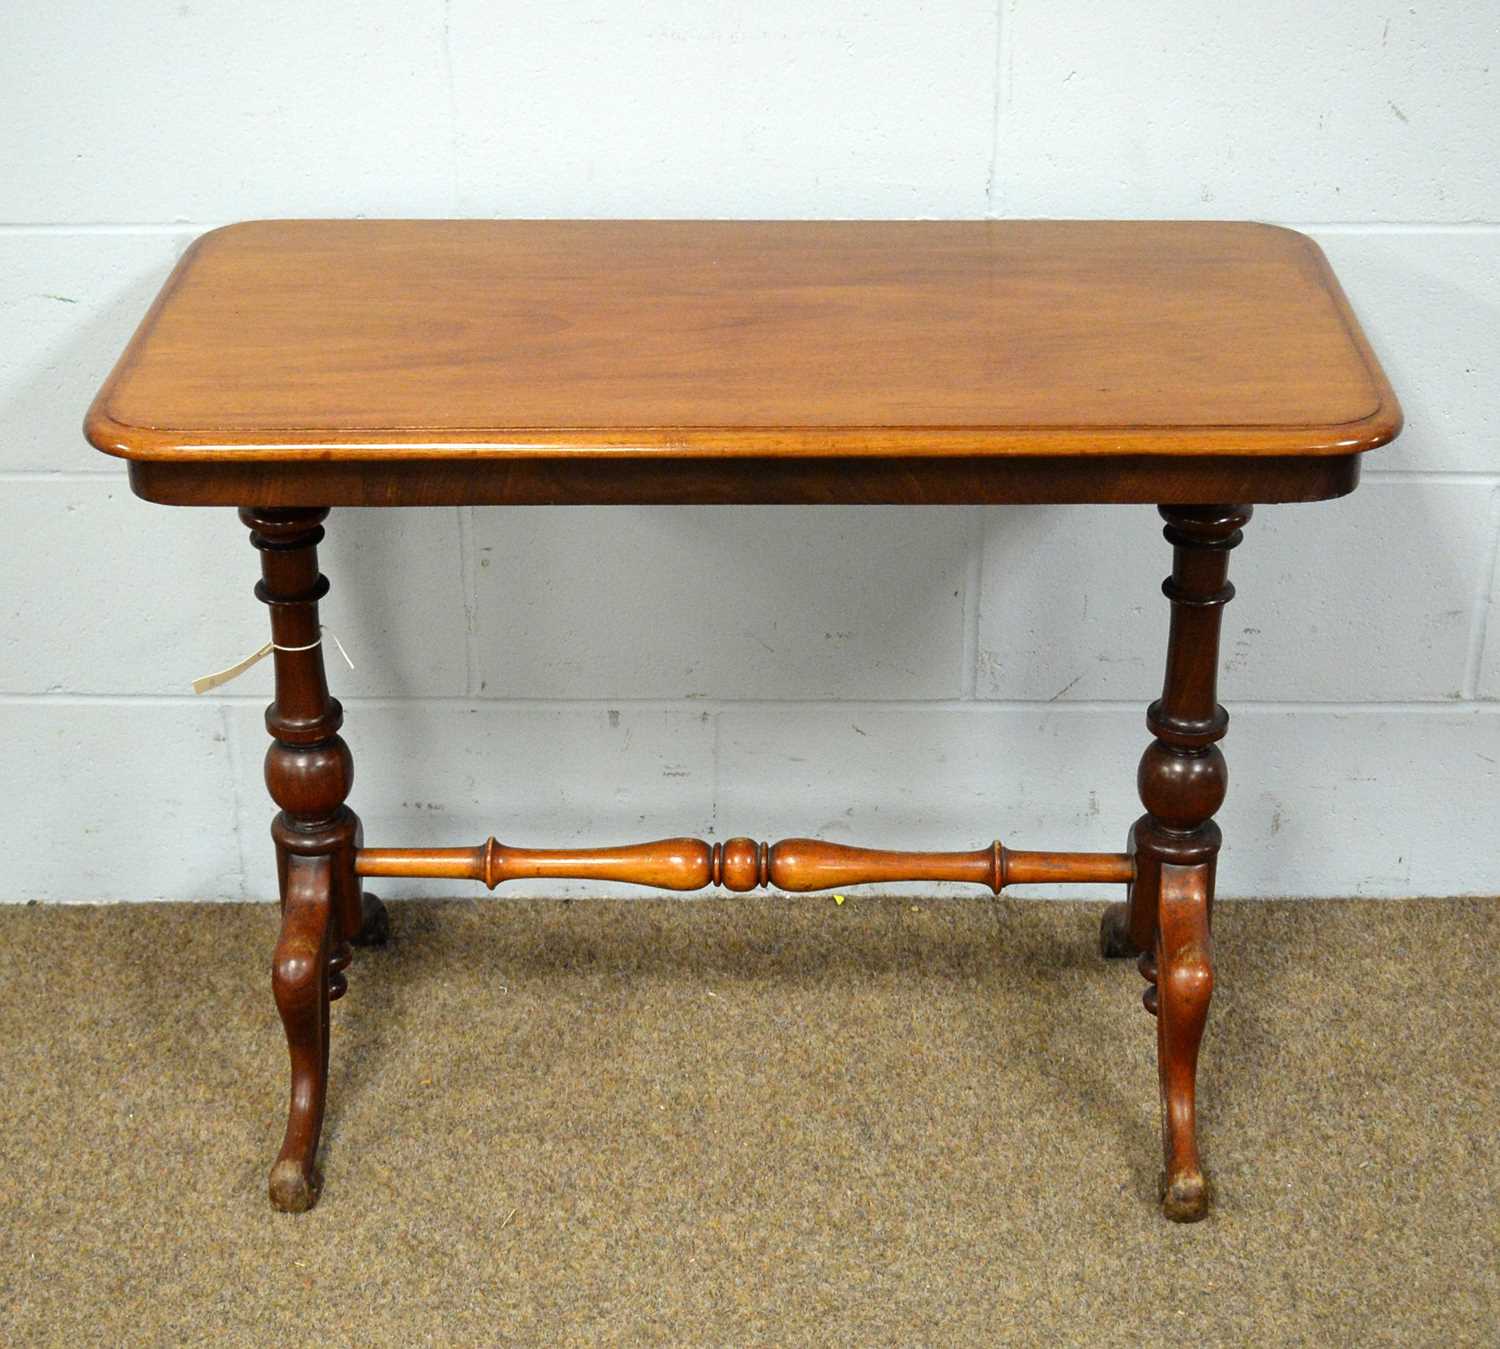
[892,676]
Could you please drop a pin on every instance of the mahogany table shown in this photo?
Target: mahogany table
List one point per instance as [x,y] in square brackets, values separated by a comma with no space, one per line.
[291,366]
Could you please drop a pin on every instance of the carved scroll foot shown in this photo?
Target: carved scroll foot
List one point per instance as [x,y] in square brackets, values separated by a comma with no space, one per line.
[294,1190]
[1114,933]
[375,922]
[300,975]
[1183,985]
[1184,1198]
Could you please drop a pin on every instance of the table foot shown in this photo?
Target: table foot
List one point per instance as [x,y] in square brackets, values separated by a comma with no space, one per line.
[1184,1198]
[292,1189]
[1114,933]
[375,922]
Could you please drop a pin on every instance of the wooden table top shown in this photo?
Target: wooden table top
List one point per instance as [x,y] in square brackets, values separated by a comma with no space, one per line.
[421,339]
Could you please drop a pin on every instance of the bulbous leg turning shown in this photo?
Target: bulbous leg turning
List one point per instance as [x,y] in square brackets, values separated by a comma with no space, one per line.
[1182,780]
[309,771]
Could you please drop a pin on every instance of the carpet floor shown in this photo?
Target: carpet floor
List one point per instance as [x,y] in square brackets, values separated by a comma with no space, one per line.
[890,1122]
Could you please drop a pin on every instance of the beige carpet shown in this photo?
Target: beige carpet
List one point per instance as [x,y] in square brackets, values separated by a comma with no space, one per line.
[751,1121]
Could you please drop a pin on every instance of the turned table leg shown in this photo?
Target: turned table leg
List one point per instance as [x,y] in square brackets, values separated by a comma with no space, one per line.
[1182,781]
[309,771]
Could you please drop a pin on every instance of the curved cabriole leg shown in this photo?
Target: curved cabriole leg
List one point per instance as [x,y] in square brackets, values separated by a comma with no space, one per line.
[1183,983]
[300,979]
[1182,782]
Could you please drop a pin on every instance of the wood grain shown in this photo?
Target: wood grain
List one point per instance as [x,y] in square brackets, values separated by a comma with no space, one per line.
[796,864]
[293,340]
[744,481]
[308,772]
[1182,975]
[1182,780]
[290,366]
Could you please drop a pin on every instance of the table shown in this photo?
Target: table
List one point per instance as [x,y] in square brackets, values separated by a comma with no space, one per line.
[288,367]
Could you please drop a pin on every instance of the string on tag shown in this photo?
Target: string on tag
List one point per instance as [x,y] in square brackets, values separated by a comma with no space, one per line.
[212,681]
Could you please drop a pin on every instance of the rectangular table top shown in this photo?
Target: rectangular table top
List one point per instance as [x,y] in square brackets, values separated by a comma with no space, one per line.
[453,339]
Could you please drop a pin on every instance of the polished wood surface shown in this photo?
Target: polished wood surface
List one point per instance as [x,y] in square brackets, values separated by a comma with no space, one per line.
[290,366]
[1182,975]
[1182,780]
[1015,479]
[308,771]
[796,864]
[288,340]
[300,982]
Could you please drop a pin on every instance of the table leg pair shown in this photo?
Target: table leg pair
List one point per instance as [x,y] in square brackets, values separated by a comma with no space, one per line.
[1168,865]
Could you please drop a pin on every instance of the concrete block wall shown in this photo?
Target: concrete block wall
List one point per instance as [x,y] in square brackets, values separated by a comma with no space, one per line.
[929,677]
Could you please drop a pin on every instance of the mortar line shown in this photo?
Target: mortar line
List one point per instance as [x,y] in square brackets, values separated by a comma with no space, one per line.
[236,772]
[1483,598]
[713,778]
[92,475]
[469,582]
[1419,477]
[1396,226]
[994,163]
[973,581]
[107,227]
[448,85]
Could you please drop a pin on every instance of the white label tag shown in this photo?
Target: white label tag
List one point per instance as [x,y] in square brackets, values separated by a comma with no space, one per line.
[212,681]
[206,682]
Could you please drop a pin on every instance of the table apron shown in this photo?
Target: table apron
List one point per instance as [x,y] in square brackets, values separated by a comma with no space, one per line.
[755,481]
